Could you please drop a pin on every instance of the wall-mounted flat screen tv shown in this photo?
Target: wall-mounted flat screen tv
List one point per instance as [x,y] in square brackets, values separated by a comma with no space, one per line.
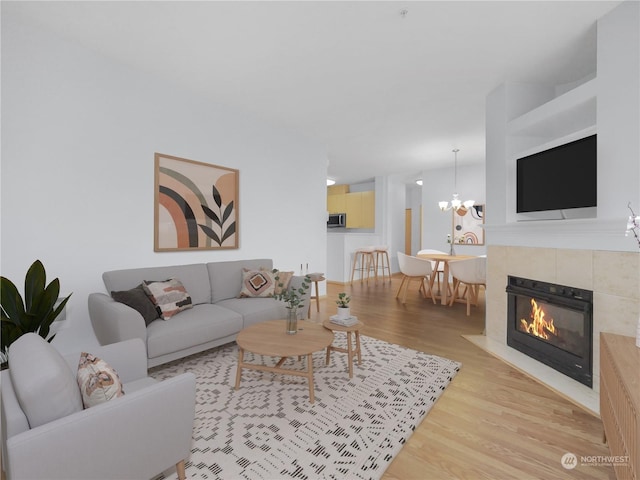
[561,178]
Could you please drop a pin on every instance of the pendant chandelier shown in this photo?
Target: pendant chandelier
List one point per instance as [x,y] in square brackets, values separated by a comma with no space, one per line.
[455,204]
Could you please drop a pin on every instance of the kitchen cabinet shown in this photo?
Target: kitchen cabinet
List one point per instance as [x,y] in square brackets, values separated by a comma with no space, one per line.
[337,203]
[360,209]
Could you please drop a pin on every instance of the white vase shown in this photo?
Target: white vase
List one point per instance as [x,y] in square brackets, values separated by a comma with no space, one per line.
[344,312]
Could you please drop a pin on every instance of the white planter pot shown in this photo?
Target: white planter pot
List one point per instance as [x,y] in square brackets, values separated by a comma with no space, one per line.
[344,312]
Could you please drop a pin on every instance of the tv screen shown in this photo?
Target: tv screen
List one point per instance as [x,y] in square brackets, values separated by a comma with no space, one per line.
[560,178]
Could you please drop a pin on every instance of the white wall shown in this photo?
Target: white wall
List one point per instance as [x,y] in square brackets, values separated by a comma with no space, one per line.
[79,134]
[617,125]
[438,186]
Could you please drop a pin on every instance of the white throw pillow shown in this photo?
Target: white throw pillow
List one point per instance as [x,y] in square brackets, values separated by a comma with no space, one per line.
[98,381]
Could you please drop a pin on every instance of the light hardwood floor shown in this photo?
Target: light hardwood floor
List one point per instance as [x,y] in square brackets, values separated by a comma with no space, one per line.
[492,422]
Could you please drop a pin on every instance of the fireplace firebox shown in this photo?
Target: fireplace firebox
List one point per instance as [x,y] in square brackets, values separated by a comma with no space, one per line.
[552,324]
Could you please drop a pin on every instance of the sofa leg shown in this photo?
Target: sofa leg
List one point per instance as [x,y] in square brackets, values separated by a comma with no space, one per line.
[180,470]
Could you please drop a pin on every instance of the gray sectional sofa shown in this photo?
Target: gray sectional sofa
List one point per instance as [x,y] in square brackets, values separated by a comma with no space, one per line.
[215,319]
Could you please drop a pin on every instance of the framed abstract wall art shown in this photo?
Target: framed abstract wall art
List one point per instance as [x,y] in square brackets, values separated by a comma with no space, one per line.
[195,205]
[467,225]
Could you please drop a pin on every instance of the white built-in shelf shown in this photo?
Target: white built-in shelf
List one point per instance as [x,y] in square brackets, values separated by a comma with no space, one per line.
[575,106]
[567,117]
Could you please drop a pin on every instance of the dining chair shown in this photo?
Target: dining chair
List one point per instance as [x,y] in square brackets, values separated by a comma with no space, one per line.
[413,268]
[437,267]
[472,274]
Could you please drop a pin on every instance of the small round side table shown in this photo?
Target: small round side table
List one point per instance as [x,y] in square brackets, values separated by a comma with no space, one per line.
[315,278]
[353,347]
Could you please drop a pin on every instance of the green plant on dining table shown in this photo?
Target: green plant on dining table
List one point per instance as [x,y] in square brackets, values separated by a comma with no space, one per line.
[292,296]
[343,300]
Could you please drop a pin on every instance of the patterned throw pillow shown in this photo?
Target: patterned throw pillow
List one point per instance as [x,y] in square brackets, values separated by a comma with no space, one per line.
[284,278]
[169,297]
[257,283]
[138,299]
[97,380]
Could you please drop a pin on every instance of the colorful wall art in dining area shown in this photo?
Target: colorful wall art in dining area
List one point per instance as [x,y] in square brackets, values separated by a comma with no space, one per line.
[467,225]
[196,205]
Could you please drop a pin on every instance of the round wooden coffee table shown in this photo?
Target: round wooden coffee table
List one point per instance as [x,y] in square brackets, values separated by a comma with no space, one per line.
[269,338]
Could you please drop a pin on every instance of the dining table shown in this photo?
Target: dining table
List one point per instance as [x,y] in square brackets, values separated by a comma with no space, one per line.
[445,259]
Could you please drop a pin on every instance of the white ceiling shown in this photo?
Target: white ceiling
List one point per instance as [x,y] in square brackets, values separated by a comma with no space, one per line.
[383,92]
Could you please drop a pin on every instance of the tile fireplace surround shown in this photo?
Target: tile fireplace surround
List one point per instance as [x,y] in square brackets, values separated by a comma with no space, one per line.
[614,279]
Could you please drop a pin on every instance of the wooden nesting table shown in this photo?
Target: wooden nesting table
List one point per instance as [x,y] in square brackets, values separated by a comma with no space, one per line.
[269,338]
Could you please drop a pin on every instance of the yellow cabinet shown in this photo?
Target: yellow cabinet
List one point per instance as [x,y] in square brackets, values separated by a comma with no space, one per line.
[360,209]
[368,209]
[337,203]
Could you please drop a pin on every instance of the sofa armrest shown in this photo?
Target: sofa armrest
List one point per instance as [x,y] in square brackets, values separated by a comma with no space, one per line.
[114,321]
[138,435]
[128,358]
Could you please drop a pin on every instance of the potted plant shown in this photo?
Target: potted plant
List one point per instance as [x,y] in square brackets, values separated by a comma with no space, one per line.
[293,298]
[343,305]
[35,313]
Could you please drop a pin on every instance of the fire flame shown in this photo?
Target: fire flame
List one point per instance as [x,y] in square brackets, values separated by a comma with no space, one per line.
[538,326]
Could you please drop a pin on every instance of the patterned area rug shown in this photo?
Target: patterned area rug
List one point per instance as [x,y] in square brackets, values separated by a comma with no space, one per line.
[267,429]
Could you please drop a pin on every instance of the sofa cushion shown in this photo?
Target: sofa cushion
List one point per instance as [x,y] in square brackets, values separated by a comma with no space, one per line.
[169,296]
[194,277]
[138,299]
[282,283]
[44,384]
[198,325]
[257,283]
[97,380]
[226,277]
[256,310]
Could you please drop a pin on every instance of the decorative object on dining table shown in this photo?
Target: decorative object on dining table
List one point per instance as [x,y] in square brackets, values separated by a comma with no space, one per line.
[293,297]
[633,226]
[345,322]
[455,205]
[343,305]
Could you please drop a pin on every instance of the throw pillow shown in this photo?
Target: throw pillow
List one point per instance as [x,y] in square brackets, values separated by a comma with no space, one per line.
[257,283]
[284,278]
[137,299]
[97,380]
[169,297]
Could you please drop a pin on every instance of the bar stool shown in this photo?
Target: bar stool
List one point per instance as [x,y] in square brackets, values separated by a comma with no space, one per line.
[363,262]
[382,257]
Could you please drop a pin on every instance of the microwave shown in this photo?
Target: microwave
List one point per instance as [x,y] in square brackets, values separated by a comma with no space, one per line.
[337,220]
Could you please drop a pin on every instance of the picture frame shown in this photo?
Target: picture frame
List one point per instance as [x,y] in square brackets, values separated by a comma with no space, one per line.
[195,205]
[467,225]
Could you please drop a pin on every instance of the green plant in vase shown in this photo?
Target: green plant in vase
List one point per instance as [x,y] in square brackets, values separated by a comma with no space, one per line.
[35,313]
[293,298]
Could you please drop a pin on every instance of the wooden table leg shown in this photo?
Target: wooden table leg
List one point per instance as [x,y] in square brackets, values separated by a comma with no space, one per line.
[239,370]
[350,354]
[445,284]
[312,397]
[358,350]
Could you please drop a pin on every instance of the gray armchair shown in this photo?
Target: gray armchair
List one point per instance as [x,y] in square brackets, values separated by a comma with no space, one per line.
[143,433]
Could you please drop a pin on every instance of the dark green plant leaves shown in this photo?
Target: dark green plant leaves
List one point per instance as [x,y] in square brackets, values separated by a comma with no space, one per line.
[36,312]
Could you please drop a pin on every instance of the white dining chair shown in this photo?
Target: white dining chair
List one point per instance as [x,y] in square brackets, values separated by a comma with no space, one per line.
[413,268]
[437,267]
[472,274]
